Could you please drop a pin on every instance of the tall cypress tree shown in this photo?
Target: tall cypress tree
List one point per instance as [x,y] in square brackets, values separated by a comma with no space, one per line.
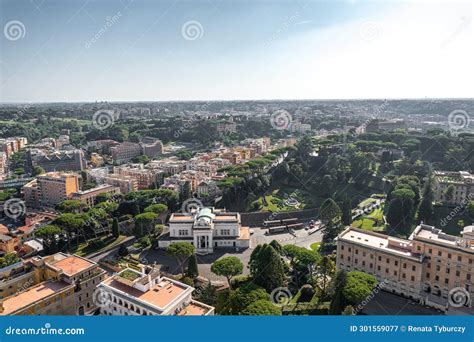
[192,271]
[115,228]
[425,210]
[346,211]
[270,272]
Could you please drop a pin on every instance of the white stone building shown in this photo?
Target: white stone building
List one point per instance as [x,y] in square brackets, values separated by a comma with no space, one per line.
[147,293]
[206,229]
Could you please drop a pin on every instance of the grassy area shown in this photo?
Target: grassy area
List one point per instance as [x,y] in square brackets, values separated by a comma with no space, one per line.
[315,246]
[366,202]
[97,245]
[372,221]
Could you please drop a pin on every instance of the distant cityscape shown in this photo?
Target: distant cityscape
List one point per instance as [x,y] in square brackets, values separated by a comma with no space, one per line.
[237,208]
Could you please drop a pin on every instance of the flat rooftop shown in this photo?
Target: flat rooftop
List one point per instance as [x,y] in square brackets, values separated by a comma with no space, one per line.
[194,309]
[437,236]
[378,242]
[72,265]
[30,296]
[159,295]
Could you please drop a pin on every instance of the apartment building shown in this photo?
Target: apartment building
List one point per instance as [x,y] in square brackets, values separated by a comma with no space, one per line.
[50,189]
[84,275]
[12,145]
[151,147]
[89,196]
[3,164]
[145,178]
[58,284]
[125,152]
[456,188]
[147,292]
[50,161]
[47,298]
[426,267]
[206,229]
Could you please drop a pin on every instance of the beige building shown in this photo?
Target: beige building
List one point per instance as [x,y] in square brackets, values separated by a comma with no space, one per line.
[58,284]
[50,189]
[88,196]
[462,183]
[426,267]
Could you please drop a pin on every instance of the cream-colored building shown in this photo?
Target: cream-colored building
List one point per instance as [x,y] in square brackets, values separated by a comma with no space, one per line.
[58,284]
[426,267]
[206,229]
[147,293]
[50,189]
[88,196]
[462,183]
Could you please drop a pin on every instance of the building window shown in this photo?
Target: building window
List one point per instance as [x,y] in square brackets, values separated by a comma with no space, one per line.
[412,278]
[413,268]
[427,275]
[440,253]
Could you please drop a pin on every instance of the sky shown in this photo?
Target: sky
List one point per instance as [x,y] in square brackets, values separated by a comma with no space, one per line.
[156,50]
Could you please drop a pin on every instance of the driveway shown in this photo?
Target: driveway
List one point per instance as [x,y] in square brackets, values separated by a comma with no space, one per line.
[169,264]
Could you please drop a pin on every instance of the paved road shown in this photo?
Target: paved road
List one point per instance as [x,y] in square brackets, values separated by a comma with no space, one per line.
[385,303]
[169,264]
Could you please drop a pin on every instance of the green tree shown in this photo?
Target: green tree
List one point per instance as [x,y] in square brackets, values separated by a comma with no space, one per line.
[449,193]
[337,286]
[192,271]
[348,311]
[181,251]
[144,223]
[262,308]
[115,227]
[400,209]
[38,170]
[48,231]
[269,270]
[326,268]
[227,267]
[71,206]
[425,210]
[122,251]
[346,211]
[358,286]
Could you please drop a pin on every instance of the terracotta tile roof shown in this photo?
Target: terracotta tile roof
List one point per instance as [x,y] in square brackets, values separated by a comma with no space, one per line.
[160,295]
[72,265]
[30,296]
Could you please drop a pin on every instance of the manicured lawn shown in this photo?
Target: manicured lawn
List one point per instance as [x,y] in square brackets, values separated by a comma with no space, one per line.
[96,245]
[315,246]
[366,202]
